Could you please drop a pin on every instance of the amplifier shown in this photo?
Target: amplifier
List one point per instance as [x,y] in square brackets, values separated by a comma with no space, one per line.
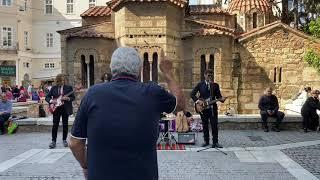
[186,138]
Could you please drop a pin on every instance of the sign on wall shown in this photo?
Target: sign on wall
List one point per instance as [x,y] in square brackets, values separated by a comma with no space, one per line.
[7,71]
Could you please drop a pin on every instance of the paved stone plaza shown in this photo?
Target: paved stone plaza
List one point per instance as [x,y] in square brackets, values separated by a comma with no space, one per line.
[250,155]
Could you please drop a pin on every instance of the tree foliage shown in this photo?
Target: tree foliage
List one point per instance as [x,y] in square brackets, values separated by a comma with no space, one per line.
[313,59]
[313,28]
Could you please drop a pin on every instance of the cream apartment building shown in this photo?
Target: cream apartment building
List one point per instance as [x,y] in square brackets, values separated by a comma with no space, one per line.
[29,44]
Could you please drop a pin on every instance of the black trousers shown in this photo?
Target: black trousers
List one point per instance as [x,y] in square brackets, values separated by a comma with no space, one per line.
[213,117]
[310,120]
[278,115]
[60,112]
[3,119]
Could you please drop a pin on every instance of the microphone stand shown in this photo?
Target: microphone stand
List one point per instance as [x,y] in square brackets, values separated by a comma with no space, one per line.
[212,114]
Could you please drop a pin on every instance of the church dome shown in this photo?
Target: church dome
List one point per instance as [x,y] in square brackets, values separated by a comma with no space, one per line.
[244,6]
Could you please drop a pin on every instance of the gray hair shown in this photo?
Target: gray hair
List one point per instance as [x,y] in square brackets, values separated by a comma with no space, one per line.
[125,60]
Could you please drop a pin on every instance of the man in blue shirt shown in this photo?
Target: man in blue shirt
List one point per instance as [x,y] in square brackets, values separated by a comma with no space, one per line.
[5,111]
[120,119]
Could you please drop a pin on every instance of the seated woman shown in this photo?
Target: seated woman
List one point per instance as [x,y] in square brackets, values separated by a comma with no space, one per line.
[295,106]
[309,111]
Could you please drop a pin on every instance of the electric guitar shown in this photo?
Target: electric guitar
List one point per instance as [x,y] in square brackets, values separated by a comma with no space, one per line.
[203,104]
[57,102]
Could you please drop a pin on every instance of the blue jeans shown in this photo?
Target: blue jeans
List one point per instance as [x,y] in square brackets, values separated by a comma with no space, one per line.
[3,119]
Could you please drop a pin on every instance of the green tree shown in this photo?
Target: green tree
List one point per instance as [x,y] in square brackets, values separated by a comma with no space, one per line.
[313,28]
[313,59]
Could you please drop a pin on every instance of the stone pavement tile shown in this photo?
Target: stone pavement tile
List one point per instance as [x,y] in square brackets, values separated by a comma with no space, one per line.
[241,138]
[214,165]
[65,168]
[172,166]
[308,157]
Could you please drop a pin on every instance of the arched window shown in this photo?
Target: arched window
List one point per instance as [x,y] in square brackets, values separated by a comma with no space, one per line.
[202,66]
[254,20]
[211,62]
[91,70]
[155,67]
[235,22]
[84,72]
[146,68]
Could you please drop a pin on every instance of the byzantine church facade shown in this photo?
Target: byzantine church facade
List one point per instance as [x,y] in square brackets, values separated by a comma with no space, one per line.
[246,46]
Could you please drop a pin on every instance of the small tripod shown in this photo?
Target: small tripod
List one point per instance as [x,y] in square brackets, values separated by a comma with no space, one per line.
[210,148]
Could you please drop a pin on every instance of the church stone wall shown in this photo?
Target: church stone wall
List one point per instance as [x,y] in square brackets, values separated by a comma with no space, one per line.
[221,47]
[260,57]
[101,49]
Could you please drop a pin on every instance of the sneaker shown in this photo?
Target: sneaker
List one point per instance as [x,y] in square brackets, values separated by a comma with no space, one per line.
[52,145]
[216,145]
[65,143]
[266,129]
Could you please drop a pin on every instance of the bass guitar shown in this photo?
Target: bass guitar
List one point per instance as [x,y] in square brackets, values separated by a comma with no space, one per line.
[203,104]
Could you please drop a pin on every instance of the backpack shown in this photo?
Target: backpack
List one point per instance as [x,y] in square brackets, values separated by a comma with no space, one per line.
[182,122]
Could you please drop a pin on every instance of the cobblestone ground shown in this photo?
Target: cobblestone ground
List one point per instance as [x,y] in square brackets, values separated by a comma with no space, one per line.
[182,165]
[308,157]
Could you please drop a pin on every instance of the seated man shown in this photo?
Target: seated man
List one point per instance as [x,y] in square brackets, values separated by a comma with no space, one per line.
[5,111]
[269,107]
[309,111]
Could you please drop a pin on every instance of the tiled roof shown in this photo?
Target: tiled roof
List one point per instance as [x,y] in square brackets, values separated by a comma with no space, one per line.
[114,3]
[90,31]
[277,24]
[206,9]
[244,6]
[97,11]
[209,25]
[208,29]
[207,32]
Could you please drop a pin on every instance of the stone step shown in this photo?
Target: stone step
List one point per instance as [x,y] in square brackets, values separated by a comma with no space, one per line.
[236,122]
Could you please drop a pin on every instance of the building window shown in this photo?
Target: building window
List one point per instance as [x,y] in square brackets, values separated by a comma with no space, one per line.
[26,39]
[235,22]
[155,67]
[25,5]
[6,2]
[49,40]
[274,74]
[26,64]
[49,66]
[146,67]
[70,5]
[48,6]
[92,3]
[7,36]
[202,66]
[255,20]
[280,74]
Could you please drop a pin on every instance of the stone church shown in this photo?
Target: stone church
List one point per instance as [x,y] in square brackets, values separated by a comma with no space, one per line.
[245,45]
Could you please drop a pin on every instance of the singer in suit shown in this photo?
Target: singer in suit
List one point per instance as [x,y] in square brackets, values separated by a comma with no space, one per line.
[65,110]
[208,89]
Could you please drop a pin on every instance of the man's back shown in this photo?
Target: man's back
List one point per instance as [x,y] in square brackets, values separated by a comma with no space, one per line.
[122,128]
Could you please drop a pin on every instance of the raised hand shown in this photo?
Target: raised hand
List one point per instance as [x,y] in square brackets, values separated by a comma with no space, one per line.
[166,66]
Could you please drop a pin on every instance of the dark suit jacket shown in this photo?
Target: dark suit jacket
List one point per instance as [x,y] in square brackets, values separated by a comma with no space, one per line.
[310,106]
[55,93]
[202,88]
[268,103]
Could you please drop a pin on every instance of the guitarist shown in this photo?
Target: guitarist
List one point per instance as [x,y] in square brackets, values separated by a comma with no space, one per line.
[208,89]
[60,89]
